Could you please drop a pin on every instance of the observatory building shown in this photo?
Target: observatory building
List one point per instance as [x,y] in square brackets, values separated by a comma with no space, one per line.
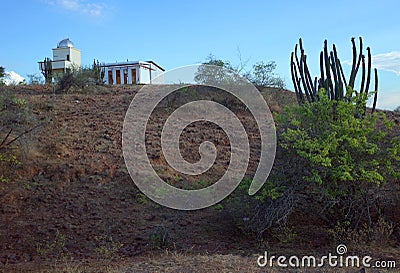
[65,57]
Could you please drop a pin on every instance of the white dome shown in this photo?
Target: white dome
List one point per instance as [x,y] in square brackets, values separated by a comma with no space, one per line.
[65,43]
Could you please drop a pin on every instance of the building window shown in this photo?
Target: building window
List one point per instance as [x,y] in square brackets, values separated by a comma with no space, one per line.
[68,58]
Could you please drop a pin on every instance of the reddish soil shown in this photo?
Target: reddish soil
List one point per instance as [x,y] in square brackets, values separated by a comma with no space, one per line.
[72,198]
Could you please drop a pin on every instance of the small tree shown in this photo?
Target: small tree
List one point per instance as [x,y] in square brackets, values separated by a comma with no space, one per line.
[263,75]
[208,74]
[397,110]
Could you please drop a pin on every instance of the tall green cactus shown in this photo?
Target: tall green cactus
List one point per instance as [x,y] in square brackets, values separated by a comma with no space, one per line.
[332,78]
[99,71]
[47,70]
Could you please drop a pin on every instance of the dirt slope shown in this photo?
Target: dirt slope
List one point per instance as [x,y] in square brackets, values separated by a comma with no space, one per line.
[72,198]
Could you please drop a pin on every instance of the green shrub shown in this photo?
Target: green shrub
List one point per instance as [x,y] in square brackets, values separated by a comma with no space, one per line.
[342,157]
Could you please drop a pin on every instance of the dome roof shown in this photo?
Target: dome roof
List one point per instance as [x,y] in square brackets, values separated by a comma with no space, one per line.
[65,43]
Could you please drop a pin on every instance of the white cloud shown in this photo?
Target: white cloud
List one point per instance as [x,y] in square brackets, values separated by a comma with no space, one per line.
[12,78]
[389,61]
[388,100]
[80,6]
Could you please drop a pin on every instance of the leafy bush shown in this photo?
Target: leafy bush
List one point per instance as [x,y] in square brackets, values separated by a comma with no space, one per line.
[342,158]
[397,110]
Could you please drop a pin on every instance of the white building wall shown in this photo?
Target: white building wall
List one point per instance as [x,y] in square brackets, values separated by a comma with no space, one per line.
[144,75]
[130,75]
[114,75]
[75,56]
[60,54]
[60,58]
[157,77]
[60,65]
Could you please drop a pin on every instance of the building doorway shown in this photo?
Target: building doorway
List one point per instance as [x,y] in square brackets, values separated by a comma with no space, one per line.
[133,76]
[110,77]
[118,77]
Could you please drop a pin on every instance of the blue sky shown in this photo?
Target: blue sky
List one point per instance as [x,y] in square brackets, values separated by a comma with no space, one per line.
[178,33]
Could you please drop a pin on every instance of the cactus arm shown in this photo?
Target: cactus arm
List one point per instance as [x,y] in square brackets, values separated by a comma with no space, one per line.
[321,65]
[353,66]
[309,81]
[368,70]
[328,82]
[295,81]
[335,76]
[316,87]
[376,90]
[301,71]
[356,63]
[362,74]
[339,72]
